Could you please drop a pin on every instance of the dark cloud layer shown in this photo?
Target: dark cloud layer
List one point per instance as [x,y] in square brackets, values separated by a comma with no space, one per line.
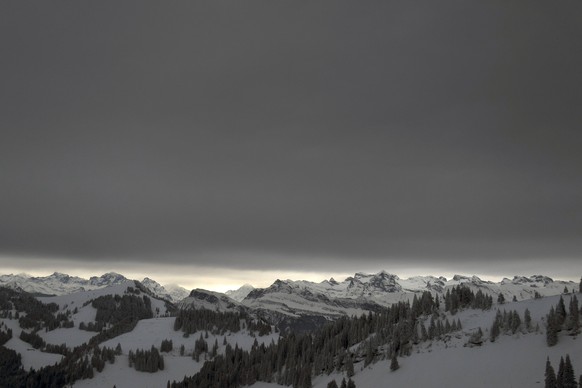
[208,132]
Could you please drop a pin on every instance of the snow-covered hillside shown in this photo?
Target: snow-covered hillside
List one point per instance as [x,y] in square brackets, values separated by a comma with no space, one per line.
[514,360]
[77,304]
[85,312]
[151,332]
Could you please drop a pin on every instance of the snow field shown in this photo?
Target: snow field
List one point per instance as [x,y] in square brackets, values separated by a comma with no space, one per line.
[150,332]
[31,357]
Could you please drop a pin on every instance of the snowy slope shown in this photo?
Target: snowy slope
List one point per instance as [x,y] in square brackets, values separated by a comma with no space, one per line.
[87,313]
[150,332]
[516,361]
[31,358]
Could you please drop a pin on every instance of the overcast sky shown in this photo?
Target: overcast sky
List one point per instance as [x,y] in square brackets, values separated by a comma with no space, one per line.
[193,140]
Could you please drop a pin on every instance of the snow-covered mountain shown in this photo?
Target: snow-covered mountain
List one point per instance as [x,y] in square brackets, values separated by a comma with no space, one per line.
[370,292]
[60,283]
[176,292]
[63,284]
[209,300]
[172,292]
[240,293]
[299,298]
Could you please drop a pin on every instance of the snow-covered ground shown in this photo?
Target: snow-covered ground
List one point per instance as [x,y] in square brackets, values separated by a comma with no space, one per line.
[71,336]
[31,358]
[516,361]
[121,375]
[509,362]
[153,331]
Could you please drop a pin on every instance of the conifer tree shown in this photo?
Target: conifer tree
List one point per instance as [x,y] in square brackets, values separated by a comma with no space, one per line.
[560,313]
[568,378]
[349,365]
[551,328]
[574,316]
[527,319]
[215,347]
[423,332]
[305,378]
[332,384]
[515,322]
[495,331]
[394,363]
[369,354]
[351,384]
[560,375]
[550,375]
[500,298]
[344,384]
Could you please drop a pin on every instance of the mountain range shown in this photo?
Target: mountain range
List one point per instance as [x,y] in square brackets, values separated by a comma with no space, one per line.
[298,303]
[62,284]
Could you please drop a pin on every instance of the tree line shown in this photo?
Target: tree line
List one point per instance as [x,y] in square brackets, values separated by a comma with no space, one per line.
[192,321]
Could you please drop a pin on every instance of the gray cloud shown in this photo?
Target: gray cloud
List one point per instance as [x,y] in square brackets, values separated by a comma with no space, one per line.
[272,135]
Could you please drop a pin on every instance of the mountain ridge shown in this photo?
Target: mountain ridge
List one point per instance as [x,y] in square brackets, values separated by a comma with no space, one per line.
[59,283]
[328,297]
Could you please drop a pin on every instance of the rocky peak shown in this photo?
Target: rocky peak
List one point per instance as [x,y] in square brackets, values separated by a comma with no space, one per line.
[107,279]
